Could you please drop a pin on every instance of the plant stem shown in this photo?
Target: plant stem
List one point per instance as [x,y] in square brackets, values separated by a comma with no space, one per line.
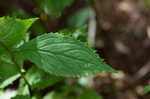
[16,64]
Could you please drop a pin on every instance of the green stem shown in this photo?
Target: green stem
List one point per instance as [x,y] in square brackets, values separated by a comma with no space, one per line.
[16,64]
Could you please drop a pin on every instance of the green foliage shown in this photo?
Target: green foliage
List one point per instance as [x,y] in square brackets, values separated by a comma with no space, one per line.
[37,28]
[54,95]
[53,55]
[18,13]
[55,7]
[52,7]
[89,94]
[21,97]
[8,73]
[146,90]
[13,30]
[64,92]
[62,56]
[79,18]
[23,88]
[79,34]
[39,80]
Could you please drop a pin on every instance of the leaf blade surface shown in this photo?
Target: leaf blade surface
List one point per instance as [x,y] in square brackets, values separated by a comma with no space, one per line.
[63,56]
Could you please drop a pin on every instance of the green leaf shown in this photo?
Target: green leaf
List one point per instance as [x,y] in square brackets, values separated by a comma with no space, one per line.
[89,94]
[57,95]
[62,56]
[65,92]
[39,80]
[79,18]
[37,28]
[55,7]
[148,1]
[21,97]
[18,13]
[8,74]
[13,30]
[146,90]
[23,88]
[25,39]
[67,89]
[54,95]
[79,34]
[37,95]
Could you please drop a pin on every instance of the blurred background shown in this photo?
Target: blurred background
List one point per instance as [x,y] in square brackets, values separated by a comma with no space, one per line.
[119,30]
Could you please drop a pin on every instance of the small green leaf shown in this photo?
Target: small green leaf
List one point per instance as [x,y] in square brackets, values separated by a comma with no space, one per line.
[39,80]
[37,96]
[89,94]
[23,88]
[13,30]
[54,95]
[146,90]
[8,74]
[62,56]
[79,34]
[18,13]
[37,28]
[55,7]
[21,97]
[79,18]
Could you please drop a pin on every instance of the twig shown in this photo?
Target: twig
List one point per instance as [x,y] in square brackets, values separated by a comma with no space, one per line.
[16,64]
